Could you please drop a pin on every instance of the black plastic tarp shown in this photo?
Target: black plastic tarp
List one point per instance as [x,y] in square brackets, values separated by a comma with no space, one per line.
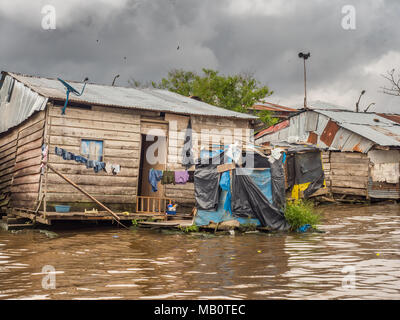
[308,168]
[254,160]
[314,185]
[249,201]
[290,171]
[206,187]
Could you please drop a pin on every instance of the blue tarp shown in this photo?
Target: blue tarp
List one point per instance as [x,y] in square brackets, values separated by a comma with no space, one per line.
[203,217]
[262,178]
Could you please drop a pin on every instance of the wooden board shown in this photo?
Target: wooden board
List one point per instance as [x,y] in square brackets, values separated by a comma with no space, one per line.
[352,191]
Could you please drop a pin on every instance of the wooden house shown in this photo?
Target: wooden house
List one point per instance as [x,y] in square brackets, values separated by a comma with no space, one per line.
[361,151]
[116,125]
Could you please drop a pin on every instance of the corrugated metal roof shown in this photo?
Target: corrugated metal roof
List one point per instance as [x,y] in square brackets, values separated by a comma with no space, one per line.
[322,105]
[393,117]
[273,128]
[272,107]
[381,131]
[17,103]
[145,99]
[341,130]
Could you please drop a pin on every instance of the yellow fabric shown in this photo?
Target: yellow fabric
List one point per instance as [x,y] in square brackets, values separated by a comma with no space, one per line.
[298,189]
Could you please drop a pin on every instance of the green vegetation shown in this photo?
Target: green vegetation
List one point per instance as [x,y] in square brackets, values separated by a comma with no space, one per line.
[192,228]
[266,117]
[234,92]
[248,226]
[301,212]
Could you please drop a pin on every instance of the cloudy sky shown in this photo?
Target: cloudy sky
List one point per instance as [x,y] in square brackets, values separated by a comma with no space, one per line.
[139,39]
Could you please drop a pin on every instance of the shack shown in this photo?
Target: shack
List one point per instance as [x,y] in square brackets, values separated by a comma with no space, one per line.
[360,150]
[101,144]
[235,187]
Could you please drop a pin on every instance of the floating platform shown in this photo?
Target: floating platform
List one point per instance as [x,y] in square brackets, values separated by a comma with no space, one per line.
[166,224]
[48,217]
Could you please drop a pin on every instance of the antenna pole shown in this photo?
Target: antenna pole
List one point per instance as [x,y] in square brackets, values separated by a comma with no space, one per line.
[305,56]
[65,104]
[305,85]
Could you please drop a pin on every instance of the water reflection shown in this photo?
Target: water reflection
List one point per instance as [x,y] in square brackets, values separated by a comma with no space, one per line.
[118,264]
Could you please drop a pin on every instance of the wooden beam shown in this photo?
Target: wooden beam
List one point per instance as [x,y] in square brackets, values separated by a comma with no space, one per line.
[225,167]
[86,194]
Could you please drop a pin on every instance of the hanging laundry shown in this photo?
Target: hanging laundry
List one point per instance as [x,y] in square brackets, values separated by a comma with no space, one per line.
[58,151]
[191,176]
[181,177]
[108,168]
[66,155]
[81,159]
[168,177]
[154,177]
[116,168]
[98,166]
[90,164]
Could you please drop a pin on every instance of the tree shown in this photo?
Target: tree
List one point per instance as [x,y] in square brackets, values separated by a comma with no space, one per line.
[236,92]
[394,81]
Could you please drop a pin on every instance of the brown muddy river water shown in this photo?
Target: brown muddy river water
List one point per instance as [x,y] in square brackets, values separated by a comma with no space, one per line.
[357,258]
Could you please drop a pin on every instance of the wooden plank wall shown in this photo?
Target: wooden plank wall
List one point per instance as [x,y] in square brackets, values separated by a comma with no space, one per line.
[326,164]
[185,193]
[349,173]
[20,159]
[120,131]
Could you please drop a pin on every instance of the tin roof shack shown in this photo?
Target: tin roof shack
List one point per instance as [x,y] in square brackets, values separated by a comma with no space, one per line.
[361,155]
[115,125]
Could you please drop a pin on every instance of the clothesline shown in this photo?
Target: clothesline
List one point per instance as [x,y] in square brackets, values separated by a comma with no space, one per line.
[169,177]
[96,165]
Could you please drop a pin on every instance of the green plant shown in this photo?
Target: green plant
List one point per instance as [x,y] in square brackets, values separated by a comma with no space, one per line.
[192,228]
[134,223]
[248,226]
[301,212]
[235,92]
[267,118]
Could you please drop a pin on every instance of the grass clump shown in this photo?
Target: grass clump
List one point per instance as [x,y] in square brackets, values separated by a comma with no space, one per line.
[192,228]
[301,212]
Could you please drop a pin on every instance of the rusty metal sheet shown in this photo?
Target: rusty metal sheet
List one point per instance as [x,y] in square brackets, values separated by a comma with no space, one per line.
[329,133]
[274,128]
[383,190]
[340,138]
[356,143]
[392,117]
[312,138]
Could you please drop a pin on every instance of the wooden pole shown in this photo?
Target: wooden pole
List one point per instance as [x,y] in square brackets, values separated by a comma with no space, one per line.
[85,193]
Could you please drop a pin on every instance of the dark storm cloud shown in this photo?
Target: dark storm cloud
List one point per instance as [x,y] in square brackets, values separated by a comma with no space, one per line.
[140,39]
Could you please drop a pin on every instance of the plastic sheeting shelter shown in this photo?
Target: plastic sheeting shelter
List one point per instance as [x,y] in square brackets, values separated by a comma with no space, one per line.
[250,200]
